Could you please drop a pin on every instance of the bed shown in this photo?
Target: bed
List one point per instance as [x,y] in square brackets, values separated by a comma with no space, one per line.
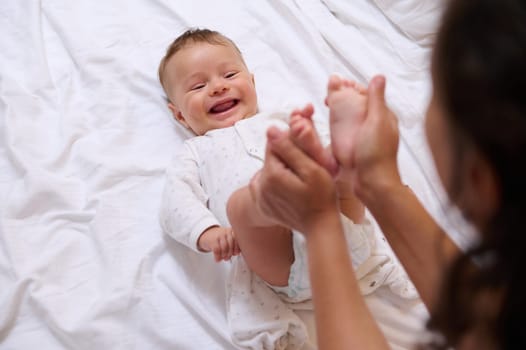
[85,138]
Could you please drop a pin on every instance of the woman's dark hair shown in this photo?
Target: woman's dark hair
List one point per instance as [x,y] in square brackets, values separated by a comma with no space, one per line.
[479,73]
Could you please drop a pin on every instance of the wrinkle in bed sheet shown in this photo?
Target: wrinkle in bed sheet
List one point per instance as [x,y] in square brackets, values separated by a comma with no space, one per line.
[85,138]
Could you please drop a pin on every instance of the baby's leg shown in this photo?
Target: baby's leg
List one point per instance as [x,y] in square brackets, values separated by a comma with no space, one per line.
[267,249]
[347,101]
[303,134]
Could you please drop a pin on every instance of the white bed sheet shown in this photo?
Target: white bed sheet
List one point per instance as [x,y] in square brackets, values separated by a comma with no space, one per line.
[85,138]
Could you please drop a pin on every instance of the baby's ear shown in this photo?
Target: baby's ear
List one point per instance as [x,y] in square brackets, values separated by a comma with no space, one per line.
[253,80]
[176,113]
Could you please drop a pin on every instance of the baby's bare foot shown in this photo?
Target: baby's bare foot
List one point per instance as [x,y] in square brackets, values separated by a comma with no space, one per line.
[304,135]
[347,102]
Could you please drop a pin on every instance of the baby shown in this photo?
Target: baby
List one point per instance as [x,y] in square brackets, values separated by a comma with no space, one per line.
[208,87]
[212,93]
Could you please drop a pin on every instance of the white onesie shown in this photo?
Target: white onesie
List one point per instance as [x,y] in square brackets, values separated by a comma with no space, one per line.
[208,170]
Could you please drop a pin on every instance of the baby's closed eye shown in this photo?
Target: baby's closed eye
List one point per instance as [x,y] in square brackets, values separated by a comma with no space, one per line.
[197,86]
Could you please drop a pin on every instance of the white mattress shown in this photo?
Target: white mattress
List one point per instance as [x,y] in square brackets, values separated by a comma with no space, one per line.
[85,137]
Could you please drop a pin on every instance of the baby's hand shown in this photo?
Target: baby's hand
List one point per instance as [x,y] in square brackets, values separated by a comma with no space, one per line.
[219,240]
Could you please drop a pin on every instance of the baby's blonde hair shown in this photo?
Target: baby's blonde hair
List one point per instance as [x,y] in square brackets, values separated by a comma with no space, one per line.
[192,36]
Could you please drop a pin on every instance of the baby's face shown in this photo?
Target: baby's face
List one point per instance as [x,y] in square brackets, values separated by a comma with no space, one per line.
[210,87]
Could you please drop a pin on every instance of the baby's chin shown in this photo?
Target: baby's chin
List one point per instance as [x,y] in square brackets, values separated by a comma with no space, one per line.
[251,113]
[232,120]
[241,116]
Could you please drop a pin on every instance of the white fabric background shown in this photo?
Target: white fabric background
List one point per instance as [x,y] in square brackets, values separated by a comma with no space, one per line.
[85,138]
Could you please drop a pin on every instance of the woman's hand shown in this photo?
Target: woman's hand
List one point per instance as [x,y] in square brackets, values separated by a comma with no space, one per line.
[291,189]
[295,191]
[375,145]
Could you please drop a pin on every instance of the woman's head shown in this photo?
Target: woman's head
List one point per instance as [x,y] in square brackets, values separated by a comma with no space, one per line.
[479,75]
[476,127]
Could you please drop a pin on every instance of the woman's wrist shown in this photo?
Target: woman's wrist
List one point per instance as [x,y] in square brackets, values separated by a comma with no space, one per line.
[374,184]
[322,223]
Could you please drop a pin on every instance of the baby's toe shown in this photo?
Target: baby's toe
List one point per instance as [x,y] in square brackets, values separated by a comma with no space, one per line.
[335,83]
[352,84]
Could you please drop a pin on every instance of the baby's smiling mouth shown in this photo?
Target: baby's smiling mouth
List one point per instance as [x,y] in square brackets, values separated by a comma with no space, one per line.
[223,106]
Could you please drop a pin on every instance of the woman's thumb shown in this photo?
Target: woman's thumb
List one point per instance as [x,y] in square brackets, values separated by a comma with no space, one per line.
[376,101]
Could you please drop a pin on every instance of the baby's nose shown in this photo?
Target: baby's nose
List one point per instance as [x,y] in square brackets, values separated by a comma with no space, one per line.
[219,87]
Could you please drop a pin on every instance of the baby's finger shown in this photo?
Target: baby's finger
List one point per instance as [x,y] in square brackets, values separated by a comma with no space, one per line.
[237,250]
[235,247]
[230,241]
[217,253]
[224,247]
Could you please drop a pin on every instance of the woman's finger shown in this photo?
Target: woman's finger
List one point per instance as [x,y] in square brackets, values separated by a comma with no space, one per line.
[376,102]
[289,154]
[276,168]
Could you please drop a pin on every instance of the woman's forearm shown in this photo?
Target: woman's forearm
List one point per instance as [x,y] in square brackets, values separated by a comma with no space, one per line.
[421,245]
[343,320]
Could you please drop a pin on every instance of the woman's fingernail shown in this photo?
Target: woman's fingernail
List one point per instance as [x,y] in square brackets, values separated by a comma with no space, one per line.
[379,81]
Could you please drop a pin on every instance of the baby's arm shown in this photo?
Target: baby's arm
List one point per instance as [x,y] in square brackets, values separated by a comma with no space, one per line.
[184,214]
[219,240]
